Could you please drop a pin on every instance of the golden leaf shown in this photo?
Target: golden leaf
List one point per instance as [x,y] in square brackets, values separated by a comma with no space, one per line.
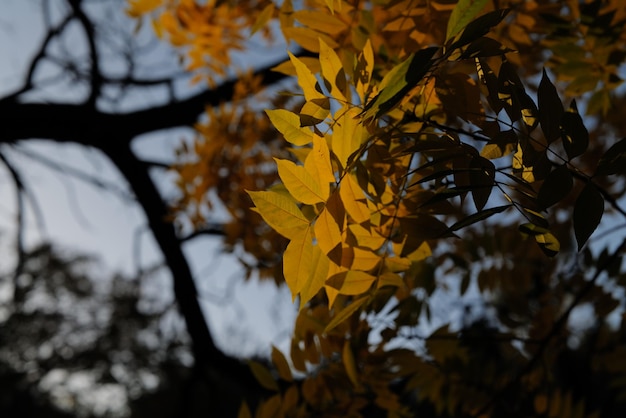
[317,278]
[280,212]
[288,124]
[351,282]
[301,184]
[327,232]
[318,161]
[348,134]
[306,79]
[297,262]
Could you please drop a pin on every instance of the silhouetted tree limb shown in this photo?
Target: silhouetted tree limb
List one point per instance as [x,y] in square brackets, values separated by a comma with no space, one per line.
[112,133]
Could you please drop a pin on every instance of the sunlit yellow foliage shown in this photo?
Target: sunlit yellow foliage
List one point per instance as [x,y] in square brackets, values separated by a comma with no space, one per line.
[410,126]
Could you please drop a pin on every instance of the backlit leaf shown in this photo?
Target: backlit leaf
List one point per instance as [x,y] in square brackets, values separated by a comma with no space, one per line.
[366,238]
[332,71]
[308,38]
[318,161]
[588,211]
[327,233]
[317,277]
[297,262]
[288,124]
[462,14]
[354,199]
[306,79]
[361,259]
[314,111]
[301,184]
[346,313]
[280,212]
[348,134]
[351,282]
[320,22]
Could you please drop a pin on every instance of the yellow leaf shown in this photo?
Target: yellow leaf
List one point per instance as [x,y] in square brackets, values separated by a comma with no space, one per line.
[390,279]
[308,38]
[366,238]
[288,124]
[331,5]
[364,260]
[345,313]
[297,262]
[301,184]
[263,18]
[332,71]
[422,252]
[287,68]
[318,161]
[348,134]
[331,294]
[327,232]
[351,282]
[263,375]
[306,79]
[320,22]
[279,360]
[280,212]
[397,264]
[363,70]
[354,199]
[314,111]
[317,278]
[349,363]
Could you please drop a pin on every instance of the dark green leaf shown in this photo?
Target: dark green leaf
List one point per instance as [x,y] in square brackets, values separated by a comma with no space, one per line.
[550,108]
[557,186]
[614,160]
[588,211]
[477,217]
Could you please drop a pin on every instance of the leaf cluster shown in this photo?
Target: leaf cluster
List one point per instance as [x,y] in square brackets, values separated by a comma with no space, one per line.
[426,148]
